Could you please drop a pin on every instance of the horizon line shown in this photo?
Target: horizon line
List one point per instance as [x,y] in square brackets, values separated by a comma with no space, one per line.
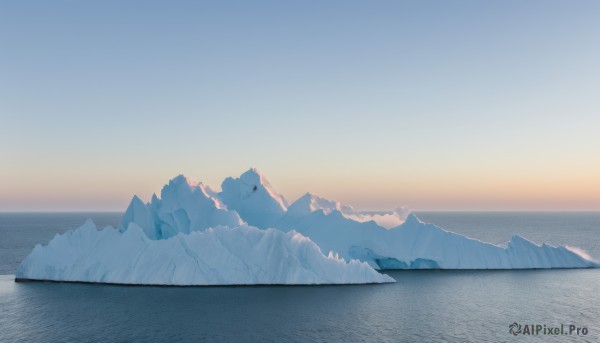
[385,210]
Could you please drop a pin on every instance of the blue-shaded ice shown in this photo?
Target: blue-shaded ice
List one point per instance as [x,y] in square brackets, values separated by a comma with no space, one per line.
[249,234]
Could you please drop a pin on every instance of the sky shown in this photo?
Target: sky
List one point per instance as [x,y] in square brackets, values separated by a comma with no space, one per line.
[434,105]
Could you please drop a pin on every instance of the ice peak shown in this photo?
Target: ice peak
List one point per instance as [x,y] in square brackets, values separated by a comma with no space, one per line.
[518,240]
[411,221]
[257,179]
[309,203]
[137,199]
[311,198]
[183,180]
[253,197]
[253,172]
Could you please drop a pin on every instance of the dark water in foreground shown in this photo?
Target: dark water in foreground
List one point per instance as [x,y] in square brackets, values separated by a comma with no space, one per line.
[423,306]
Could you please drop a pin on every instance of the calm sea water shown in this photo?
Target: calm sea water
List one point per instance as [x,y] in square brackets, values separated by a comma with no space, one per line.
[431,306]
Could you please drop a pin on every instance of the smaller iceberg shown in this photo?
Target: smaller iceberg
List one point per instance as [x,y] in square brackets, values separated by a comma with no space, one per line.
[243,255]
[419,245]
[392,240]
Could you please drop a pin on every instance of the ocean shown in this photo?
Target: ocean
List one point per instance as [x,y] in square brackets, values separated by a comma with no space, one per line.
[422,306]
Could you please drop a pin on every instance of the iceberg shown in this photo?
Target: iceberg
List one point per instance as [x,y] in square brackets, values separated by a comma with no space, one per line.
[248,234]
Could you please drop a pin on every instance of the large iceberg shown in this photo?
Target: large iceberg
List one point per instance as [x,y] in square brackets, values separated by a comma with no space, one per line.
[249,234]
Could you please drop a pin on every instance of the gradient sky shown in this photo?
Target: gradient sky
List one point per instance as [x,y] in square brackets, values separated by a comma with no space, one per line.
[468,105]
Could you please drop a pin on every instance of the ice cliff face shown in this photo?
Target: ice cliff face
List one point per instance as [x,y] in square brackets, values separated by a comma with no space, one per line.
[185,206]
[216,256]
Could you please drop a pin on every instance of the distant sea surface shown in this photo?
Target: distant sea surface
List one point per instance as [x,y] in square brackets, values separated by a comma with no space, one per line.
[422,306]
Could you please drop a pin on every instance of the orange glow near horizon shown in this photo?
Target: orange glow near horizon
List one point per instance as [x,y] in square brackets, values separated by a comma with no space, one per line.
[450,190]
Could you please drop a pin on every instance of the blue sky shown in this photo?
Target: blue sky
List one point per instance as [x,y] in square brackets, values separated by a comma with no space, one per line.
[430,104]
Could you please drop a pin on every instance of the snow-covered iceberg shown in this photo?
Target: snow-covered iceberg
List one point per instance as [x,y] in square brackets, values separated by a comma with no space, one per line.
[243,255]
[249,234]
